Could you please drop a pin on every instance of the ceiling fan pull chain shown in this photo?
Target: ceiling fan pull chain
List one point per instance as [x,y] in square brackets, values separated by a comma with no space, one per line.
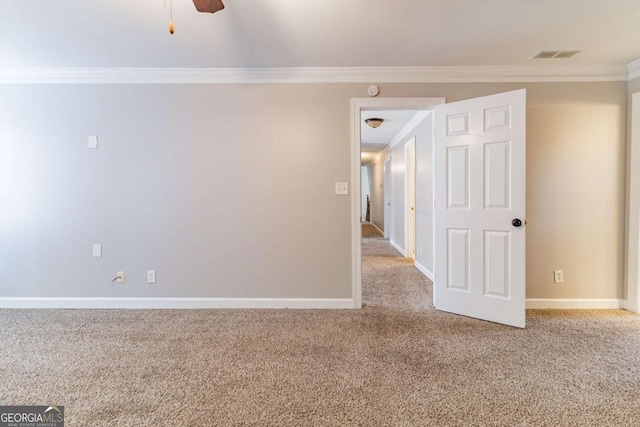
[172,28]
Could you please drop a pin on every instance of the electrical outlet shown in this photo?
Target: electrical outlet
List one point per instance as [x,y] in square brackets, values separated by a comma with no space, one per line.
[151,276]
[97,250]
[121,277]
[558,276]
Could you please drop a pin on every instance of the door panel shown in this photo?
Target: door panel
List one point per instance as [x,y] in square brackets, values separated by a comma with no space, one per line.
[479,176]
[497,280]
[458,259]
[497,175]
[458,177]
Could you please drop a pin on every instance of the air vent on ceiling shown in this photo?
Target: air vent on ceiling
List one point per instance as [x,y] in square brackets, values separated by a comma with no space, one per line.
[555,54]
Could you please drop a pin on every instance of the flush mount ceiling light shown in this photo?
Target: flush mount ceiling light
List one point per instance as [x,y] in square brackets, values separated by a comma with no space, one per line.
[209,6]
[374,122]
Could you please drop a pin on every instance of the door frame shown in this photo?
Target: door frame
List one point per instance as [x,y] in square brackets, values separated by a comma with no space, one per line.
[632,264]
[357,106]
[386,211]
[409,186]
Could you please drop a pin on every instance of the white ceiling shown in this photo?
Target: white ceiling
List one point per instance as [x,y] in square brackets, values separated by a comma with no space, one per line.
[315,33]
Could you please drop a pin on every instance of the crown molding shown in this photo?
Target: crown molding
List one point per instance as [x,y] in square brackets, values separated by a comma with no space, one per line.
[464,74]
[634,69]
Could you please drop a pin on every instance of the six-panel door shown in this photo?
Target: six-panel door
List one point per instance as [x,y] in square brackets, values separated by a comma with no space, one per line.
[479,176]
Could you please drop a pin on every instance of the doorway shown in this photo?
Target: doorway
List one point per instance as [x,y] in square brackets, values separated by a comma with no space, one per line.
[387,220]
[478,181]
[391,169]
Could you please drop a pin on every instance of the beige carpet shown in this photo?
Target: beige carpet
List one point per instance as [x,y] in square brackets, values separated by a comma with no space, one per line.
[369,230]
[397,362]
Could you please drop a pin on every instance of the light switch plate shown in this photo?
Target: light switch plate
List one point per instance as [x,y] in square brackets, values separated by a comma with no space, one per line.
[342,188]
[97,250]
[93,141]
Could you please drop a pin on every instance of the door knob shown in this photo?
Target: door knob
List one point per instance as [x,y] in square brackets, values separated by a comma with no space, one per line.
[516,222]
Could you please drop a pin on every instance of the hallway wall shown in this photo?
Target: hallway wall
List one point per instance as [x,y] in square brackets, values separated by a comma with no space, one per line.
[377,194]
[423,132]
[424,193]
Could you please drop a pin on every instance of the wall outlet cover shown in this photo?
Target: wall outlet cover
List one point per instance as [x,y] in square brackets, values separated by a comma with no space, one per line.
[151,276]
[97,250]
[558,276]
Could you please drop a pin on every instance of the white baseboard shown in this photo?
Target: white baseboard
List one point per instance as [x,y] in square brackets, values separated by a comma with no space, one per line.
[423,270]
[397,246]
[376,227]
[264,303]
[178,303]
[577,303]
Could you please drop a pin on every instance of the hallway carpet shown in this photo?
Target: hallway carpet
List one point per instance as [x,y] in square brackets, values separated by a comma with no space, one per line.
[397,362]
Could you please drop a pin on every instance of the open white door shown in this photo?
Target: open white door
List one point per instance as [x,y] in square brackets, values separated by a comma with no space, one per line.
[480,179]
[387,198]
[410,199]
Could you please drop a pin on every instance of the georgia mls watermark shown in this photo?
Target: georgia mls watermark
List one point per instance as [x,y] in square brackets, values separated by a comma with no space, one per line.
[31,416]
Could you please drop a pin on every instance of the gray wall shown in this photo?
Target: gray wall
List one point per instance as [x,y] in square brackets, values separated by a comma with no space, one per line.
[227,190]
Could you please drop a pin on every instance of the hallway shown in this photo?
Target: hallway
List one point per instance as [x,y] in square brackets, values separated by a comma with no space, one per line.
[389,280]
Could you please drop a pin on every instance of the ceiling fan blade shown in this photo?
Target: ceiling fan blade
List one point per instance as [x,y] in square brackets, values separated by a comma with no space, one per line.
[210,6]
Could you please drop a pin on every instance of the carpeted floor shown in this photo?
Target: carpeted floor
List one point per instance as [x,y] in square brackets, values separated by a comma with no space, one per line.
[397,362]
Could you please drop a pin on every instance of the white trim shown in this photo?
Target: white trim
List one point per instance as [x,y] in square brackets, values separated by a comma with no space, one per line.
[357,105]
[177,303]
[577,303]
[423,270]
[632,253]
[634,69]
[356,209]
[397,246]
[455,74]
